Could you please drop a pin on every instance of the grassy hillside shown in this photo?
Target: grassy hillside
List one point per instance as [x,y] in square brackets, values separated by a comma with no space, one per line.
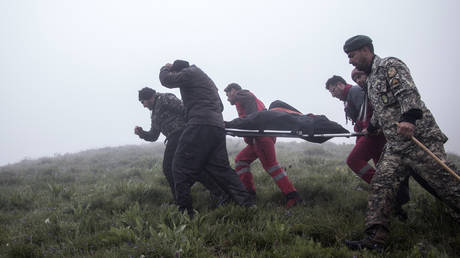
[115,202]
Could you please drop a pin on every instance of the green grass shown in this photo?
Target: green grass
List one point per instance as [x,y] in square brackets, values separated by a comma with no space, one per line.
[115,202]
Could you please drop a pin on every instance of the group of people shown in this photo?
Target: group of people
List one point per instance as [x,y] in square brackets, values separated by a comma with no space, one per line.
[385,107]
[391,115]
[196,139]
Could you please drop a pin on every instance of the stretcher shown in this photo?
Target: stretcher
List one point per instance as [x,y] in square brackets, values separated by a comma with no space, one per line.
[278,123]
[316,138]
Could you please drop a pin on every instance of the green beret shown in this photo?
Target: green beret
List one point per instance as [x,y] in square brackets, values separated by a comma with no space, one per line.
[356,42]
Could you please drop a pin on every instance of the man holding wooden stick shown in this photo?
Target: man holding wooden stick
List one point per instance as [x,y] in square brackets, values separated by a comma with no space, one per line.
[401,115]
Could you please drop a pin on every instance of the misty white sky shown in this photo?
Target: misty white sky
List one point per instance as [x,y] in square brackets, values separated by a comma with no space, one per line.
[70,70]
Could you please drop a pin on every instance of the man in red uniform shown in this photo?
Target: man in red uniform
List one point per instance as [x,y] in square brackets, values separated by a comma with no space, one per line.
[258,147]
[359,112]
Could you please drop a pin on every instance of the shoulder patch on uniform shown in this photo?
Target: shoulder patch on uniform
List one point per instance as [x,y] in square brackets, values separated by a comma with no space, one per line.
[384,99]
[391,72]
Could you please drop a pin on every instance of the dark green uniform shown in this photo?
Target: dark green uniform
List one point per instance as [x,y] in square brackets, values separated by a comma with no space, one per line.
[393,94]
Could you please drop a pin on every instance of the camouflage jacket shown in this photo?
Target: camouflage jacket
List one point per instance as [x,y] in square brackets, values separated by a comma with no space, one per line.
[392,93]
[168,116]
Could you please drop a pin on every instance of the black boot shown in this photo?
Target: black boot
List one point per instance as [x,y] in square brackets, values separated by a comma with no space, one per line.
[293,199]
[365,243]
[375,240]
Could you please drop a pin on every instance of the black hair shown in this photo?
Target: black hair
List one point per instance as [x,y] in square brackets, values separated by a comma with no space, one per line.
[146,93]
[334,80]
[232,86]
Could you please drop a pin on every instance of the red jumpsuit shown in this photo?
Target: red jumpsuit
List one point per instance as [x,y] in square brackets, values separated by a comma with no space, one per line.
[366,148]
[262,148]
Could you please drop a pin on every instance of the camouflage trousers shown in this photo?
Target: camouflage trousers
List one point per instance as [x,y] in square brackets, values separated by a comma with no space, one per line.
[389,176]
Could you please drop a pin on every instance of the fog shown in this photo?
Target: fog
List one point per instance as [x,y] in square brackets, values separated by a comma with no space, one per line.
[70,70]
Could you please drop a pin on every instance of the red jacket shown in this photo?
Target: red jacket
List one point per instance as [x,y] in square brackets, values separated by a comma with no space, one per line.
[247,103]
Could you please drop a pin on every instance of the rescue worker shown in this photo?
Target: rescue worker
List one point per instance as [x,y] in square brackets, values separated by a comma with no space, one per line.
[262,148]
[359,112]
[202,144]
[401,114]
[168,118]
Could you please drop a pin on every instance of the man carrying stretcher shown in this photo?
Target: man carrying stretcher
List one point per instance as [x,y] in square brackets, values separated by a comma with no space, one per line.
[262,147]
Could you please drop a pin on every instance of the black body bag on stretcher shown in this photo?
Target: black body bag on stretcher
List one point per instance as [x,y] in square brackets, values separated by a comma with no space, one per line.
[312,128]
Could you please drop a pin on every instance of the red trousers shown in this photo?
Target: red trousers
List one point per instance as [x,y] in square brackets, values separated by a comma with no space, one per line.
[264,149]
[366,148]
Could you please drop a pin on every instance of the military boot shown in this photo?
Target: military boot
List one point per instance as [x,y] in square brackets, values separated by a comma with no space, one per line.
[375,240]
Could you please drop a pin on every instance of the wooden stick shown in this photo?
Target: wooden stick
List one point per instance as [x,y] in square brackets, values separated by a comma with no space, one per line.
[435,157]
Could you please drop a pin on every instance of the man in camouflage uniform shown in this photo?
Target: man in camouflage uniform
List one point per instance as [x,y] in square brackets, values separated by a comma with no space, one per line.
[400,113]
[168,117]
[368,147]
